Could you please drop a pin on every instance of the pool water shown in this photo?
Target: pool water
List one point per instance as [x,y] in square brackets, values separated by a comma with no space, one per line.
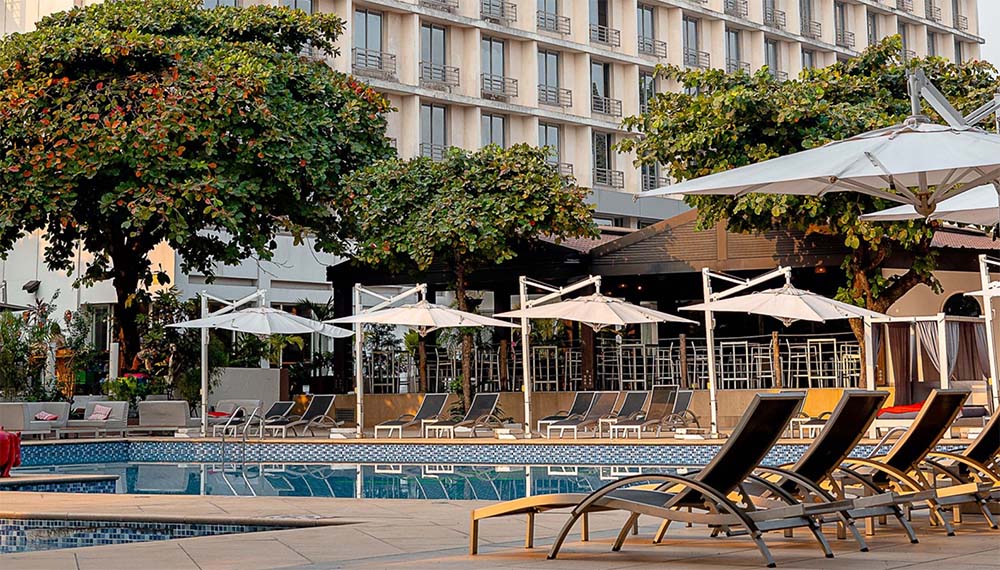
[28,535]
[367,481]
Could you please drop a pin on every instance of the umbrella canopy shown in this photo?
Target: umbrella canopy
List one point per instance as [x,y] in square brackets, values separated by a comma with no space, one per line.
[787,304]
[424,317]
[264,321]
[978,206]
[597,311]
[917,163]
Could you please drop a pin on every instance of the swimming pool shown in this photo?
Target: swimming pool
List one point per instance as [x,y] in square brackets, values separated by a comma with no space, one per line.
[367,481]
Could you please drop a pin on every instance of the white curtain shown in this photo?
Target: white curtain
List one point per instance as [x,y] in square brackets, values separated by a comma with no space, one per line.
[927,334]
[982,351]
[952,336]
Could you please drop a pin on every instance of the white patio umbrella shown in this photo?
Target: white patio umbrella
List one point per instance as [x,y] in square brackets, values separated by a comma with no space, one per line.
[787,304]
[918,163]
[264,321]
[978,206]
[424,317]
[597,311]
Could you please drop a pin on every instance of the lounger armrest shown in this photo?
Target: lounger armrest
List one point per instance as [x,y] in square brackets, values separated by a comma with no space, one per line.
[799,480]
[909,483]
[978,470]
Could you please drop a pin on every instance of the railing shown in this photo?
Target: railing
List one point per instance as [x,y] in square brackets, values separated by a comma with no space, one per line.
[909,54]
[695,58]
[438,76]
[374,63]
[811,29]
[498,11]
[961,22]
[563,168]
[605,35]
[606,105]
[498,86]
[736,8]
[845,38]
[433,151]
[552,22]
[904,5]
[652,46]
[554,96]
[609,178]
[734,65]
[444,5]
[932,11]
[774,18]
[653,181]
[778,74]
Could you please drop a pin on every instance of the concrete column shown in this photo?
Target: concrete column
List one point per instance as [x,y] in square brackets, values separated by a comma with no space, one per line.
[752,50]
[576,77]
[578,13]
[345,9]
[407,128]
[623,17]
[713,40]
[404,42]
[625,86]
[522,65]
[465,53]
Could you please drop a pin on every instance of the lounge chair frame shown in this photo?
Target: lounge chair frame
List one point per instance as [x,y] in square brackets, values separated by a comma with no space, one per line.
[653,417]
[473,423]
[632,407]
[407,420]
[581,403]
[303,425]
[590,419]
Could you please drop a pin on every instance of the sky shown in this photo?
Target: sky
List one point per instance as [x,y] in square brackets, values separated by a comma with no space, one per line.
[989,28]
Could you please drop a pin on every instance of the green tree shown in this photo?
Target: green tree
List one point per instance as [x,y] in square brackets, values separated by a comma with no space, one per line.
[127,124]
[722,121]
[469,210]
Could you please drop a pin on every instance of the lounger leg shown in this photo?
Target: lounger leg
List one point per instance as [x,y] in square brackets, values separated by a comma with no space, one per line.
[585,528]
[474,536]
[635,527]
[561,537]
[633,520]
[661,532]
[818,533]
[529,535]
[938,513]
[984,507]
[848,522]
[907,527]
[764,551]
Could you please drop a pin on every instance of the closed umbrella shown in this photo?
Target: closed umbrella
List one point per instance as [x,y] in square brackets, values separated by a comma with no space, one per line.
[978,206]
[787,304]
[424,317]
[264,321]
[597,311]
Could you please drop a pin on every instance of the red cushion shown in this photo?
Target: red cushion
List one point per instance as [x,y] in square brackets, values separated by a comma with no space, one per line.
[906,409]
[218,415]
[44,416]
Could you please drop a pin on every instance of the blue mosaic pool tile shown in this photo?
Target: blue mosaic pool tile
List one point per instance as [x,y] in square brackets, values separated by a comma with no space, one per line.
[107,486]
[70,453]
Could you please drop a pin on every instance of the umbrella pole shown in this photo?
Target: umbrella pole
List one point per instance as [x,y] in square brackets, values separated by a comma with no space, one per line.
[710,342]
[991,382]
[525,360]
[204,367]
[359,382]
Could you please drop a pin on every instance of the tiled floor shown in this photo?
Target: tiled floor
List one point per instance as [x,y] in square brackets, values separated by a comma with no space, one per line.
[411,535]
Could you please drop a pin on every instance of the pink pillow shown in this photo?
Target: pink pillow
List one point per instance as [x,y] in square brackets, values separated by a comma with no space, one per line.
[44,416]
[100,412]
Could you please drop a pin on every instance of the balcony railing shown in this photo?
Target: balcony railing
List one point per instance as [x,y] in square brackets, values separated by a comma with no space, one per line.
[498,11]
[563,168]
[552,22]
[444,5]
[845,38]
[433,151]
[374,63]
[697,59]
[778,74]
[498,86]
[961,22]
[734,65]
[932,11]
[774,18]
[438,76]
[554,96]
[811,29]
[653,181]
[609,178]
[904,5]
[605,35]
[736,8]
[909,54]
[606,105]
[652,46]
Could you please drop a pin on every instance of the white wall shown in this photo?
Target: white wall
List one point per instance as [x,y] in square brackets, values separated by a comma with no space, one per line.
[248,384]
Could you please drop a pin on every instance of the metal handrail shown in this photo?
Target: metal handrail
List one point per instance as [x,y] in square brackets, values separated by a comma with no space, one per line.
[374,62]
[774,18]
[609,178]
[884,440]
[498,11]
[696,58]
[555,96]
[932,11]
[606,105]
[552,22]
[438,75]
[961,22]
[499,86]
[845,38]
[811,29]
[433,151]
[605,35]
[905,5]
[734,65]
[652,46]
[445,5]
[738,8]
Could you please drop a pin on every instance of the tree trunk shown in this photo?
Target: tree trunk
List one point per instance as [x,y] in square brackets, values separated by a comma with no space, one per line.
[463,305]
[422,363]
[127,309]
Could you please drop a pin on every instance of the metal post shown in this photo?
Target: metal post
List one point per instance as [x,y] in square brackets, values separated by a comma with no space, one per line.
[204,367]
[942,349]
[991,382]
[359,381]
[869,339]
[706,281]
[525,357]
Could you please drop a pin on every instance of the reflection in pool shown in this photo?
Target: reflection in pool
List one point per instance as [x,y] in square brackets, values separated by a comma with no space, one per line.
[384,481]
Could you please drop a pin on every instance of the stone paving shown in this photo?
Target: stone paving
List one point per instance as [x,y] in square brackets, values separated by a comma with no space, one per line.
[406,534]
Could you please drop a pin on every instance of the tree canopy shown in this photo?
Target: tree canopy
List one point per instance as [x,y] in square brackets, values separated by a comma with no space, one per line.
[466,211]
[127,124]
[722,121]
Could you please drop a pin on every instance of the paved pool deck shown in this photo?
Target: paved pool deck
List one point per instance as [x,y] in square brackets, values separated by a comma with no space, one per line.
[408,534]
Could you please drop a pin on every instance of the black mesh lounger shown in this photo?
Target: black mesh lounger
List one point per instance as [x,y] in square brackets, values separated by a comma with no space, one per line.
[632,407]
[581,403]
[481,413]
[318,414]
[603,405]
[662,404]
[431,408]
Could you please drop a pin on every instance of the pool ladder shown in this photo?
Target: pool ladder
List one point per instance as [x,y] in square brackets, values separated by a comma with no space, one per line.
[243,453]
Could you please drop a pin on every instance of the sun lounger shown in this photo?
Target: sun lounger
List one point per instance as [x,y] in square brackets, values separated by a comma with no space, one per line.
[431,408]
[601,407]
[22,417]
[481,413]
[115,422]
[705,498]
[318,415]
[237,413]
[632,407]
[581,403]
[163,416]
[899,469]
[661,409]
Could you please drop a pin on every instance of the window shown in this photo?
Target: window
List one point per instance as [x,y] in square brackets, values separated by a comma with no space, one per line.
[771,56]
[548,68]
[931,43]
[644,17]
[100,332]
[494,130]
[872,28]
[691,41]
[219,3]
[600,79]
[806,10]
[548,136]
[432,44]
[603,164]
[433,130]
[808,59]
[647,89]
[599,13]
[493,56]
[548,6]
[904,36]
[733,58]
[304,5]
[839,16]
[368,30]
[959,56]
